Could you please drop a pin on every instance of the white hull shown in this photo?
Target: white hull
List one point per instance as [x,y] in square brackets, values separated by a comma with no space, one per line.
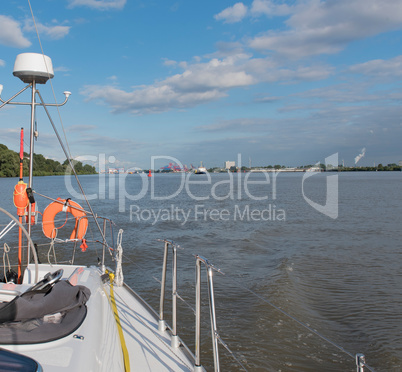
[201,170]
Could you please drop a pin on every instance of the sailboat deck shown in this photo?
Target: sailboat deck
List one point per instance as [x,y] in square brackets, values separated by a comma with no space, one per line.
[96,345]
[150,347]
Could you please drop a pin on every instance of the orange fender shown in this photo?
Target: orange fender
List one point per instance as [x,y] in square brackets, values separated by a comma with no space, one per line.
[50,212]
[20,197]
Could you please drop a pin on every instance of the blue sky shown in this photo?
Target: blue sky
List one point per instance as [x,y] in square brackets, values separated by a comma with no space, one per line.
[280,82]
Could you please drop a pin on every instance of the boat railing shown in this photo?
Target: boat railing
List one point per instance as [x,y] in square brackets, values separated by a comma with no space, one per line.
[162,323]
[162,326]
[359,358]
[215,336]
[360,362]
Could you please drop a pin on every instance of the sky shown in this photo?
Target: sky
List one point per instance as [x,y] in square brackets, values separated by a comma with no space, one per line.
[276,81]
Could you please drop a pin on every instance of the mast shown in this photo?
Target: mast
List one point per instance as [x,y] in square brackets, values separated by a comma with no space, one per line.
[31,141]
[32,69]
[22,202]
[31,153]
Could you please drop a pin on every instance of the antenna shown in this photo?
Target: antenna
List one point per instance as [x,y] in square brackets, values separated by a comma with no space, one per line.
[33,67]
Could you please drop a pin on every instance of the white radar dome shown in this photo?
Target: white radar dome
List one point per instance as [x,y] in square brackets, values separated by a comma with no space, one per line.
[31,67]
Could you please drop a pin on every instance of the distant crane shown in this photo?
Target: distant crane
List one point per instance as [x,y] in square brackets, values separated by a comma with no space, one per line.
[171,167]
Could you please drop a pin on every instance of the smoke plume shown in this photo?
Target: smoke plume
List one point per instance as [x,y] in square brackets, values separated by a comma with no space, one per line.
[358,157]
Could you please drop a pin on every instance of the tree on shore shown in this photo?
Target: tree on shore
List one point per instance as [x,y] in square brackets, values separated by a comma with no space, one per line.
[9,165]
[9,162]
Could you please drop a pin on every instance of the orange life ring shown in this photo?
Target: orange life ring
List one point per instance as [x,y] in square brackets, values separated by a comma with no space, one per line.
[50,212]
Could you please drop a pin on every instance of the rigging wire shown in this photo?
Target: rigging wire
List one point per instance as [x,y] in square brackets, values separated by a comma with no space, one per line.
[66,151]
[50,80]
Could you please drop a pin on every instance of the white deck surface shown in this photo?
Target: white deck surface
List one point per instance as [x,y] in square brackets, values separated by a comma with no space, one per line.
[149,349]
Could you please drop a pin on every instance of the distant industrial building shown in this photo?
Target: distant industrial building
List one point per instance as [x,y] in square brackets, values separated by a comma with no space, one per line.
[116,170]
[229,164]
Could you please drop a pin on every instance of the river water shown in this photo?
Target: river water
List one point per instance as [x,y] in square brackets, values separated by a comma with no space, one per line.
[337,268]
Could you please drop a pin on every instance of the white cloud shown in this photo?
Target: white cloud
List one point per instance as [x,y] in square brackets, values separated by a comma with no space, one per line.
[248,125]
[380,67]
[225,49]
[216,74]
[199,83]
[325,27]
[169,62]
[239,11]
[232,14]
[266,99]
[267,70]
[151,99]
[2,63]
[54,32]
[61,69]
[269,8]
[99,4]
[202,82]
[11,33]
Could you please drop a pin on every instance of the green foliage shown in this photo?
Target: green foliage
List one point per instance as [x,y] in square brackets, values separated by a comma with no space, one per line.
[9,162]
[10,165]
[79,167]
[380,167]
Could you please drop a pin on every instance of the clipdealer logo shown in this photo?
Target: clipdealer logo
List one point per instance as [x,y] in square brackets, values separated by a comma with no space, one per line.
[330,208]
[235,187]
[201,213]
